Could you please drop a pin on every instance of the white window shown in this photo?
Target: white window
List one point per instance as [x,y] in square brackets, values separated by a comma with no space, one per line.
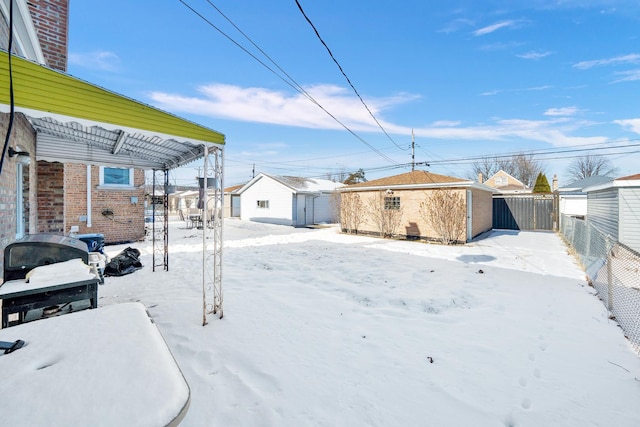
[501,180]
[263,204]
[116,177]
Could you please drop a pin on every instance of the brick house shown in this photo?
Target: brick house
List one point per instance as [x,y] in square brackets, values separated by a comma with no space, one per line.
[405,194]
[81,150]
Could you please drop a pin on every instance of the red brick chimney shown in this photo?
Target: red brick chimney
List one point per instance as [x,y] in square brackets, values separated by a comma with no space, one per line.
[51,19]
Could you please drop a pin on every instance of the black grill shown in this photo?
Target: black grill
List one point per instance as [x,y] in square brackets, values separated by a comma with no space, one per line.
[35,250]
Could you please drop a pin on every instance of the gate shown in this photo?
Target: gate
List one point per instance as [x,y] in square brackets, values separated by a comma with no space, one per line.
[525,212]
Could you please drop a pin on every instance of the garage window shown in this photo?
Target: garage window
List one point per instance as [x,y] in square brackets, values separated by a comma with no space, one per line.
[263,204]
[392,203]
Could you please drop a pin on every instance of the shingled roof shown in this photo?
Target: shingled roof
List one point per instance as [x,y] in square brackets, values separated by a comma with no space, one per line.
[409,179]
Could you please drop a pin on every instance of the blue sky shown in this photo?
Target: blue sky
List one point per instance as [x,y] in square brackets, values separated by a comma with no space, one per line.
[471,78]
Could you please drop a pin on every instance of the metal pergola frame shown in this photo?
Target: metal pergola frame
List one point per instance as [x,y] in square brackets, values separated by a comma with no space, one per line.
[78,122]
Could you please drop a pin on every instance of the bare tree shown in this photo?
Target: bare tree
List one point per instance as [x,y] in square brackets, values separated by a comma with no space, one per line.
[385,211]
[588,165]
[337,176]
[486,166]
[445,212]
[527,168]
[351,212]
[523,167]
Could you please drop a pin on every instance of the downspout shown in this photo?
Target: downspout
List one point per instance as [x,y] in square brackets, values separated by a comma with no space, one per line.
[88,196]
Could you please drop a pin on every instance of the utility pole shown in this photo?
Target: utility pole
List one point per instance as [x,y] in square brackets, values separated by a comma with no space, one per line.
[253,171]
[413,152]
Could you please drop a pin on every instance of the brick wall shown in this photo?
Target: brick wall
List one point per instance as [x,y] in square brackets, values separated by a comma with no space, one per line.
[22,135]
[51,20]
[50,197]
[127,222]
[482,211]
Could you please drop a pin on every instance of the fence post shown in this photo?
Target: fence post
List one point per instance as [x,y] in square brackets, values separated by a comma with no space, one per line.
[609,260]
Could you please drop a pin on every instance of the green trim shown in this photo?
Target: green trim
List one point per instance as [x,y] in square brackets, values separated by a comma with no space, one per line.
[40,88]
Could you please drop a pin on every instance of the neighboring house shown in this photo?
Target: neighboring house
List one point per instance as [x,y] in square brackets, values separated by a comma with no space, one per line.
[505,183]
[77,152]
[614,208]
[406,192]
[184,199]
[232,201]
[573,199]
[288,200]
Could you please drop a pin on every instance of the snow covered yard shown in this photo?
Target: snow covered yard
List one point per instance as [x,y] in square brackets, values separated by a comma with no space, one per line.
[324,329]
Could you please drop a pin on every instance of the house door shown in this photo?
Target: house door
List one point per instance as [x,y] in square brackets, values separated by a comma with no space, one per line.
[301,210]
[235,206]
[310,215]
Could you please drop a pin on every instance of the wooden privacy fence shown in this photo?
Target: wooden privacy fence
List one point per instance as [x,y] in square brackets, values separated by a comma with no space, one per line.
[525,212]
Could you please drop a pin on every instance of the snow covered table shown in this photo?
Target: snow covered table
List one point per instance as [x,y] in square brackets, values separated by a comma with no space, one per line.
[104,367]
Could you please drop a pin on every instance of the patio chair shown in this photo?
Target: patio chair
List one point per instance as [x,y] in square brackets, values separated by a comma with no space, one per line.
[187,221]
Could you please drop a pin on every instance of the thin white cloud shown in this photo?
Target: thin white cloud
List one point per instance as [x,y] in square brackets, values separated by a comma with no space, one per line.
[627,76]
[556,132]
[631,124]
[260,105]
[98,60]
[535,55]
[268,106]
[456,25]
[562,111]
[494,27]
[445,123]
[632,58]
[527,89]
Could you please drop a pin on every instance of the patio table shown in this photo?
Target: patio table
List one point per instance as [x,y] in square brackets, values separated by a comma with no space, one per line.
[104,367]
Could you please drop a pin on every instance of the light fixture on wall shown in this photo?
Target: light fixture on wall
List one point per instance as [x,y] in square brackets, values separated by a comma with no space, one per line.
[21,156]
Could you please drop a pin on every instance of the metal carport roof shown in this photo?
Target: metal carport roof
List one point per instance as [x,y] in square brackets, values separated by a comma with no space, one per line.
[79,122]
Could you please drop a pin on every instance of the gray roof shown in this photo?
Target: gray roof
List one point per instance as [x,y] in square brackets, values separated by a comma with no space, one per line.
[578,186]
[297,184]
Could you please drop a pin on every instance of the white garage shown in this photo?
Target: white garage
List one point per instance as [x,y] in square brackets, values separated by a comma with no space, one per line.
[288,200]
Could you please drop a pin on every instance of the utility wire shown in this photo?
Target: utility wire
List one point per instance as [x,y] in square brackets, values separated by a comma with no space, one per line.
[293,85]
[344,74]
[543,152]
[11,100]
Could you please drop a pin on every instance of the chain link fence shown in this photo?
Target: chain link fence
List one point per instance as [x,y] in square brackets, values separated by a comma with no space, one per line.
[612,268]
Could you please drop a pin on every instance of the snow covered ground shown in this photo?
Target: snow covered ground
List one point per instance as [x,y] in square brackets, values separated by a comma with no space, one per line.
[325,329]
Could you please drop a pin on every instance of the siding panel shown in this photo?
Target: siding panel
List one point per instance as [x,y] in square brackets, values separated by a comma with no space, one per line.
[602,210]
[629,228]
[280,200]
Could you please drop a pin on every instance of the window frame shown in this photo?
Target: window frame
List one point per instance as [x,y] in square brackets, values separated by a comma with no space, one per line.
[392,203]
[113,185]
[262,204]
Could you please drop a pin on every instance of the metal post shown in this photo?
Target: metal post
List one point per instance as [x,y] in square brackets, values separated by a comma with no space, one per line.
[212,245]
[153,221]
[165,203]
[204,237]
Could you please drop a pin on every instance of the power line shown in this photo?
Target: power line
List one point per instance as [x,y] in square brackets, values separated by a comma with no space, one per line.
[541,152]
[344,74]
[291,82]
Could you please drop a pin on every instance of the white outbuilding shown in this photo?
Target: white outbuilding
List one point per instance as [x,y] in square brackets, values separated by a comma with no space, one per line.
[614,208]
[288,200]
